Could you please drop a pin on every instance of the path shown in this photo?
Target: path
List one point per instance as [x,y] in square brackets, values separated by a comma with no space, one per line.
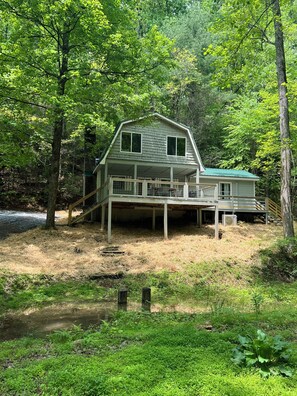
[15,221]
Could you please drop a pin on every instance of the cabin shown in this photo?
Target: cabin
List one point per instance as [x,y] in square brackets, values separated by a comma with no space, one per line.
[153,168]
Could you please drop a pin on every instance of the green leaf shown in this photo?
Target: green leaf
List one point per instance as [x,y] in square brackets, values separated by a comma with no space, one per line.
[286,371]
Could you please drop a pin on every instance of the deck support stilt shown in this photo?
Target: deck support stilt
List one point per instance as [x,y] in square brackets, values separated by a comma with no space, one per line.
[109,221]
[216,222]
[165,221]
[154,220]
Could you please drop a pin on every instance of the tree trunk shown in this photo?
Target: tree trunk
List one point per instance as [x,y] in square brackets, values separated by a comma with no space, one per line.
[288,225]
[53,180]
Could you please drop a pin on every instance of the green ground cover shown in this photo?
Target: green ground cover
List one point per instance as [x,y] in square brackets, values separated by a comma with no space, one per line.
[141,353]
[146,354]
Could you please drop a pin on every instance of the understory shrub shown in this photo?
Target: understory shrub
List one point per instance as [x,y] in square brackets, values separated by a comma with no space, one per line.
[280,261]
[268,355]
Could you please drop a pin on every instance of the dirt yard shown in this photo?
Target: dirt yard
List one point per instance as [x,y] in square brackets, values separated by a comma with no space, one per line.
[77,251]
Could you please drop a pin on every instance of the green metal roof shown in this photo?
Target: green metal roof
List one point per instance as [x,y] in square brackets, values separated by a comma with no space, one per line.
[215,172]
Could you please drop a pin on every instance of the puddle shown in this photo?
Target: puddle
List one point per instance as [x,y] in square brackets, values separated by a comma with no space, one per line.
[39,322]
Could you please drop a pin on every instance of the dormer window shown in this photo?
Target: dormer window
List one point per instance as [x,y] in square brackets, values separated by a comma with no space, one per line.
[176,146]
[131,142]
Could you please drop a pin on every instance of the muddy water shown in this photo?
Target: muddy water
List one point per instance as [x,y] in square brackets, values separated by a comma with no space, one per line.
[39,322]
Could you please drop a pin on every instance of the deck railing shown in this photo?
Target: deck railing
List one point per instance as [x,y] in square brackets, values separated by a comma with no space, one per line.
[177,191]
[235,203]
[146,188]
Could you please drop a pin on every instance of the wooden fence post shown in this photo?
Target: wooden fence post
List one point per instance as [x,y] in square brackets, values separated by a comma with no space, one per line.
[122,299]
[146,299]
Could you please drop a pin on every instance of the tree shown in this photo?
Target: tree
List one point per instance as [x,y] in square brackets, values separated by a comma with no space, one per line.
[65,56]
[190,97]
[285,136]
[247,28]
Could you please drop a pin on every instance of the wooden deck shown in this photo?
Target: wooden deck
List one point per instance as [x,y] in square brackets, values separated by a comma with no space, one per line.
[152,194]
[158,192]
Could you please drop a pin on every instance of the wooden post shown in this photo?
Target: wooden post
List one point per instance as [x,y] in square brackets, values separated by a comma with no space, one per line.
[165,221]
[70,214]
[171,176]
[146,298]
[135,183]
[217,221]
[109,221]
[186,191]
[99,179]
[144,188]
[102,217]
[197,180]
[122,299]
[267,209]
[154,220]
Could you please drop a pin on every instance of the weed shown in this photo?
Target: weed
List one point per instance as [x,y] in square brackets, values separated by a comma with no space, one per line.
[216,306]
[268,355]
[257,300]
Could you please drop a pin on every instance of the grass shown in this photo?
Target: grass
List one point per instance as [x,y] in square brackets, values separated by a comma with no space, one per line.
[188,291]
[143,354]
[138,353]
[23,291]
[157,354]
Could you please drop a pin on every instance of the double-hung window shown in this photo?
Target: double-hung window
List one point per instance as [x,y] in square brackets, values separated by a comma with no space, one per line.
[131,142]
[176,146]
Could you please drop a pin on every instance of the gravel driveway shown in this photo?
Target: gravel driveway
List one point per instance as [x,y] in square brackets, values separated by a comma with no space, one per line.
[14,221]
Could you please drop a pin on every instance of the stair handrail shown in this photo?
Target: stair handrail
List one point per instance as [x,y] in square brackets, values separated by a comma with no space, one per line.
[274,208]
[85,197]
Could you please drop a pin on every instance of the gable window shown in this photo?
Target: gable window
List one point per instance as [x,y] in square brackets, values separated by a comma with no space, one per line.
[176,146]
[131,142]
[225,190]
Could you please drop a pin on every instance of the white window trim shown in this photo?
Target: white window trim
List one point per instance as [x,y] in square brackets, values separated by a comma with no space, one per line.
[175,155]
[220,191]
[131,133]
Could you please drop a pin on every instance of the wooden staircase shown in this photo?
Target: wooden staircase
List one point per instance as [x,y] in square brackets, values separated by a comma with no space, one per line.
[273,211]
[73,220]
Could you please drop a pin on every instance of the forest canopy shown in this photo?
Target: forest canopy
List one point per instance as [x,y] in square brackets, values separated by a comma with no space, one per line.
[67,66]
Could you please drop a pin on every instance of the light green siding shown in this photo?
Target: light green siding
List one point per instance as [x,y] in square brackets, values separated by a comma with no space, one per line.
[154,144]
[241,188]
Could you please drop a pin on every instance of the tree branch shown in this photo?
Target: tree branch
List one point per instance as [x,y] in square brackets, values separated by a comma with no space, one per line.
[24,101]
[34,66]
[253,26]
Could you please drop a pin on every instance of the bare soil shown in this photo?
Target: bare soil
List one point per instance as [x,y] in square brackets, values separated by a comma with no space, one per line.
[77,251]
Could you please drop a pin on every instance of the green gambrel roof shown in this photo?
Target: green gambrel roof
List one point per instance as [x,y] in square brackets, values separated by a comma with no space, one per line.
[215,172]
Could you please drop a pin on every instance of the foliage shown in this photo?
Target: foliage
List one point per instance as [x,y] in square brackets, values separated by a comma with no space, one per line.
[65,67]
[136,354]
[280,261]
[244,62]
[269,355]
[146,354]
[257,300]
[190,96]
[21,291]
